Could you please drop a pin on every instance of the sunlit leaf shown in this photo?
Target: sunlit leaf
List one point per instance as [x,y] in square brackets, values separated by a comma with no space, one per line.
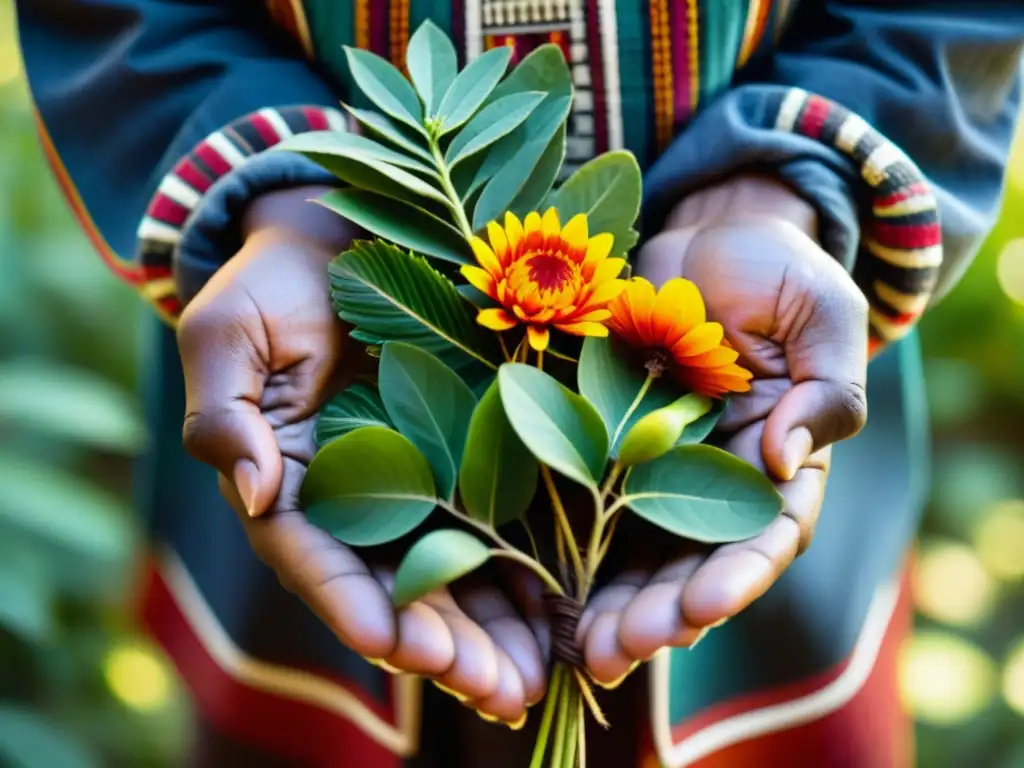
[359,405]
[558,426]
[702,493]
[432,64]
[324,147]
[429,404]
[472,86]
[368,487]
[491,123]
[439,558]
[498,477]
[384,128]
[385,86]
[661,429]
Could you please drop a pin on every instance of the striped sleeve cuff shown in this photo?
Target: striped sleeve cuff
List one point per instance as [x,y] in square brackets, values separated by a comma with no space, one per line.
[198,176]
[900,249]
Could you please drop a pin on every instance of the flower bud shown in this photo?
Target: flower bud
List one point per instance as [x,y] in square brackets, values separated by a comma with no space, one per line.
[657,432]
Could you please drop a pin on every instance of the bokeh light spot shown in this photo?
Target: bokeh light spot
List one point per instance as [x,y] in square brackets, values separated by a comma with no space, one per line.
[1010,269]
[999,539]
[137,677]
[951,585]
[945,680]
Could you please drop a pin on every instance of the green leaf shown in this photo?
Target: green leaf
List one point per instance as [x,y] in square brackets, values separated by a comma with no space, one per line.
[29,740]
[608,190]
[369,487]
[531,196]
[359,405]
[698,431]
[432,64]
[26,593]
[391,295]
[472,86]
[325,146]
[558,426]
[498,478]
[505,185]
[386,129]
[491,123]
[702,493]
[386,87]
[387,180]
[657,432]
[439,558]
[56,507]
[429,404]
[69,404]
[475,296]
[404,224]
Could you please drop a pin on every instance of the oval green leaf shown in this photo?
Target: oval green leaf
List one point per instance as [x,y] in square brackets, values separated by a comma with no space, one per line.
[702,493]
[387,130]
[400,222]
[491,123]
[386,87]
[369,487]
[429,404]
[558,426]
[432,64]
[660,430]
[498,477]
[472,86]
[439,558]
[359,405]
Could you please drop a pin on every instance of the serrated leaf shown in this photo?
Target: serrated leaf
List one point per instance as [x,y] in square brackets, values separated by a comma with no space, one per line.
[368,487]
[491,123]
[472,86]
[438,559]
[429,404]
[401,223]
[498,477]
[390,295]
[505,185]
[359,405]
[386,87]
[558,426]
[608,189]
[432,64]
[321,146]
[702,493]
[386,129]
[531,196]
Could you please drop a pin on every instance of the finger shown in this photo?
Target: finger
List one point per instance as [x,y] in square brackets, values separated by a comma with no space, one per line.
[483,601]
[753,406]
[224,383]
[654,619]
[598,632]
[737,574]
[508,702]
[474,672]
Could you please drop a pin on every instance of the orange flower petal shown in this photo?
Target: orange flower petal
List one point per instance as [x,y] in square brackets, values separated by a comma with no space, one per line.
[479,279]
[495,319]
[598,248]
[595,316]
[499,243]
[575,232]
[539,336]
[676,309]
[485,256]
[641,304]
[514,234]
[605,292]
[550,225]
[533,231]
[609,269]
[583,329]
[703,338]
[712,359]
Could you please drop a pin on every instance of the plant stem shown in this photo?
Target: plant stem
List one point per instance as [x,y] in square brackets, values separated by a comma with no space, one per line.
[540,359]
[563,523]
[615,507]
[581,738]
[454,201]
[609,532]
[506,550]
[529,535]
[644,388]
[504,348]
[540,749]
[572,733]
[565,701]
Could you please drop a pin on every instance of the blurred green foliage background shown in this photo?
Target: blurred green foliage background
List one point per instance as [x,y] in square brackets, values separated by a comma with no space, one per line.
[80,687]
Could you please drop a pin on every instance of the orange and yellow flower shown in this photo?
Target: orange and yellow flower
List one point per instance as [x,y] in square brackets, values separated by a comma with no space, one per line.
[669,329]
[543,275]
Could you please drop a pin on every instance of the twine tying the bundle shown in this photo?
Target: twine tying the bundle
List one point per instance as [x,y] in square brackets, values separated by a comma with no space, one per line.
[564,615]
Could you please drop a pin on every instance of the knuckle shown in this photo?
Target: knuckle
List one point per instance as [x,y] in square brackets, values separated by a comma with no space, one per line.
[851,408]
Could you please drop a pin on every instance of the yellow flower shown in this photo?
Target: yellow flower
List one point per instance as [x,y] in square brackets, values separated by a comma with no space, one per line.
[543,274]
[670,330]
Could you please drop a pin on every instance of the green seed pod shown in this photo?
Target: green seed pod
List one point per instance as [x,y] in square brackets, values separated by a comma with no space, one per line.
[656,433]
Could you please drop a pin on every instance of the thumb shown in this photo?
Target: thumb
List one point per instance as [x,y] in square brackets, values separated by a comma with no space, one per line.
[224,381]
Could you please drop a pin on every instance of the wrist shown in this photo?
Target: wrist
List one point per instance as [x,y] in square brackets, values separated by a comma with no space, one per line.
[742,199]
[291,214]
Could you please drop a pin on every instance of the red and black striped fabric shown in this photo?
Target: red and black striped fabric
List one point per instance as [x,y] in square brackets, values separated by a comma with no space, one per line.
[901,239]
[181,191]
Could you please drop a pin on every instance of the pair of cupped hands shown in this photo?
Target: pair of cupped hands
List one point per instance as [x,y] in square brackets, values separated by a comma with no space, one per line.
[262,350]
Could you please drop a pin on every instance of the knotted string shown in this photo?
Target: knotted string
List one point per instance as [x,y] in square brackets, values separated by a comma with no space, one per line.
[564,615]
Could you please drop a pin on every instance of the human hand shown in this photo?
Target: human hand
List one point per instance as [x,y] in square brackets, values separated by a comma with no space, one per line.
[800,325]
[261,350]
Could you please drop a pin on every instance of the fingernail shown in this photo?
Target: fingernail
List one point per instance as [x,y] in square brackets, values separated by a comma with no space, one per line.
[488,718]
[381,664]
[703,633]
[795,450]
[518,724]
[719,623]
[619,680]
[247,479]
[460,697]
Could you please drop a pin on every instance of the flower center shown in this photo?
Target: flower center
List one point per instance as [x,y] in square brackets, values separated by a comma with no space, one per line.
[550,271]
[657,361]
